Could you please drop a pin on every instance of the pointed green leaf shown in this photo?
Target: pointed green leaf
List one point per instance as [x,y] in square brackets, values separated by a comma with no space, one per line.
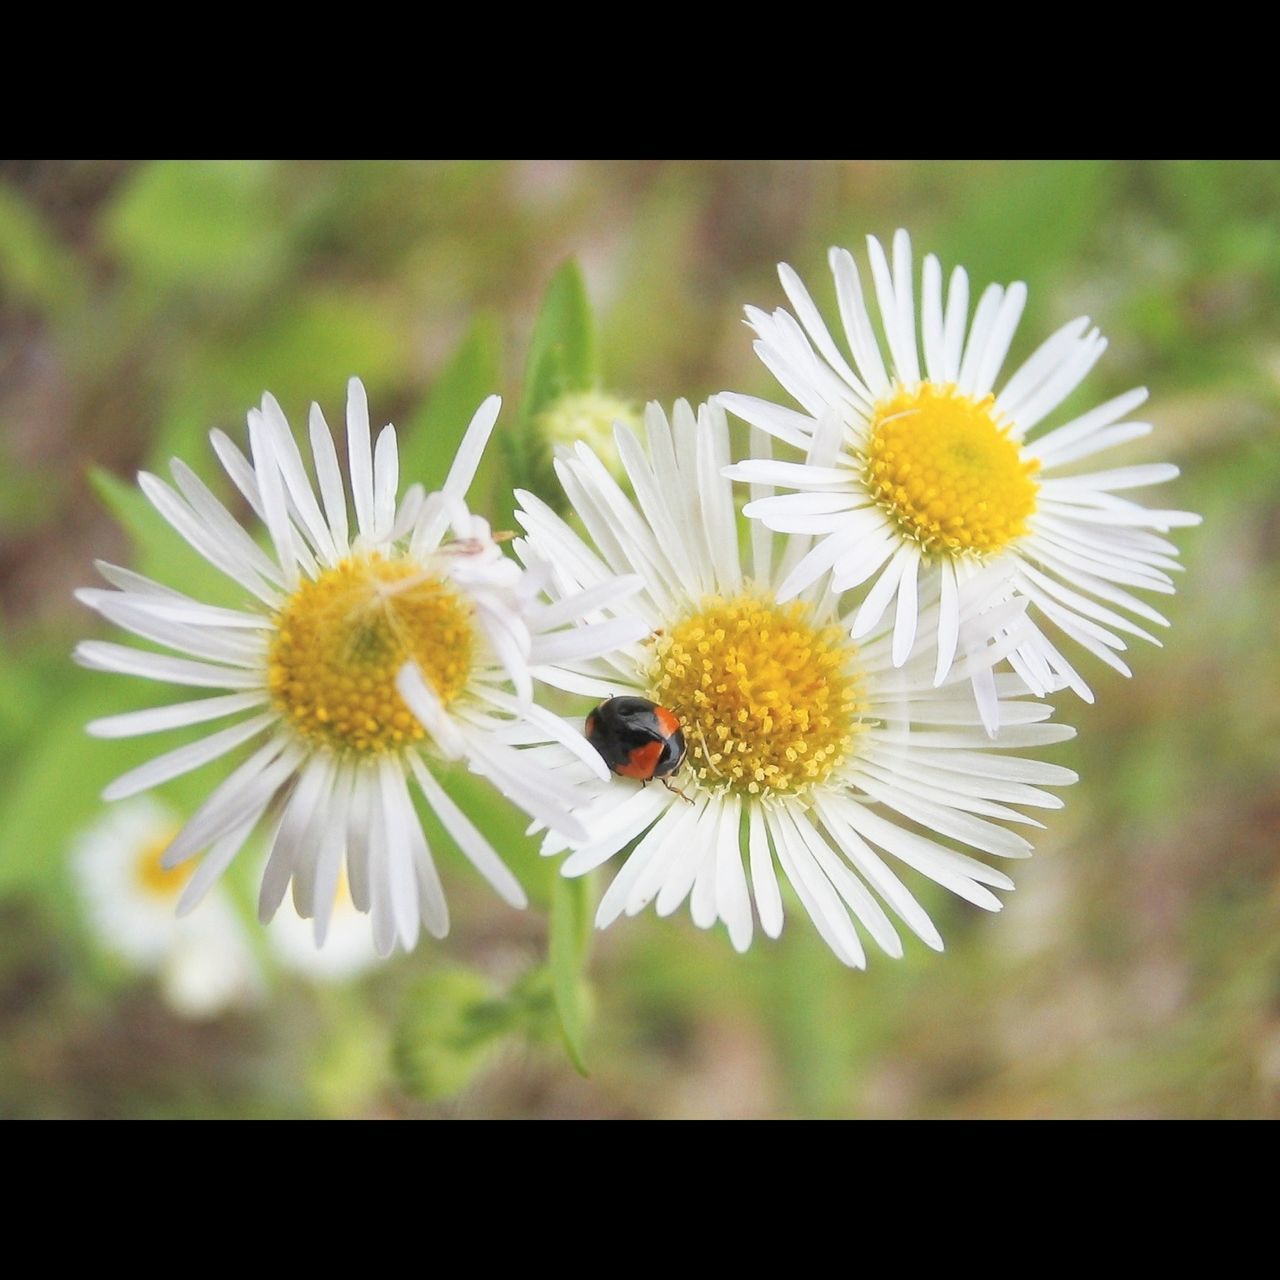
[563,353]
[571,902]
[202,224]
[563,357]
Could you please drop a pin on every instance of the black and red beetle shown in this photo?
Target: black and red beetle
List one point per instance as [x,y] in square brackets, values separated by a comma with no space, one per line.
[637,738]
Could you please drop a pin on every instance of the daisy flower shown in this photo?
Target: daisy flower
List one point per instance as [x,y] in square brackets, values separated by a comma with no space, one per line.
[365,653]
[204,964]
[936,477]
[813,752]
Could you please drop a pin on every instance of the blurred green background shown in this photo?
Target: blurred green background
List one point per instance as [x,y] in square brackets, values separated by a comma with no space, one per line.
[1136,970]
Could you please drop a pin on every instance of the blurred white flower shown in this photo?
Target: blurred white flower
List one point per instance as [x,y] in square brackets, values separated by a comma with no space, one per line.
[347,951]
[203,962]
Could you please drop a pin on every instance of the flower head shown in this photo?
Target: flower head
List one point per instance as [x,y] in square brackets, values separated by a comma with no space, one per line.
[587,416]
[934,477]
[366,652]
[812,750]
[204,963]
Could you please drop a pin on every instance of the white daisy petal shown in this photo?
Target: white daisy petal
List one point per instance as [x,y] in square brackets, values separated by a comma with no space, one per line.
[386,481]
[702,901]
[220,856]
[787,425]
[733,901]
[102,655]
[360,455]
[296,482]
[1087,424]
[954,324]
[400,820]
[296,820]
[467,461]
[931,318]
[814,890]
[886,585]
[880,877]
[1069,375]
[680,877]
[1000,338]
[865,908]
[479,852]
[857,324]
[271,486]
[333,847]
[984,323]
[208,542]
[173,764]
[177,715]
[222,523]
[810,317]
[1050,355]
[325,457]
[245,791]
[904,627]
[764,881]
[658,841]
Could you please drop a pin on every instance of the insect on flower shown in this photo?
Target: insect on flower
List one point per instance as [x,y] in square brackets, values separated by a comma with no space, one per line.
[638,738]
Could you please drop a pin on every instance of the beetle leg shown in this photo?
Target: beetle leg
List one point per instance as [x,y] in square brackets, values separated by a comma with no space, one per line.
[666,782]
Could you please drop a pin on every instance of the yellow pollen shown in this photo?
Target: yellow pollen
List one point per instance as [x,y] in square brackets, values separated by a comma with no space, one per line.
[947,471]
[152,878]
[768,701]
[341,640]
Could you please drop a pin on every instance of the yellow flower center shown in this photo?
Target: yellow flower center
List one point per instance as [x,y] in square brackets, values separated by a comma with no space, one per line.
[342,639]
[155,880]
[768,701]
[946,470]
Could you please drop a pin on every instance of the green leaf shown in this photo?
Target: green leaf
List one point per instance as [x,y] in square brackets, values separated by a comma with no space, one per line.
[210,225]
[53,783]
[563,357]
[20,695]
[432,436]
[571,903]
[563,352]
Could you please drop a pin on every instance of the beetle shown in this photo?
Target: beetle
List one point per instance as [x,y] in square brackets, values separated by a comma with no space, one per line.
[637,739]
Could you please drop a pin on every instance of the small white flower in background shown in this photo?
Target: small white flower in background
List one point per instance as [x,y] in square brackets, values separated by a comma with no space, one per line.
[348,949]
[934,476]
[815,753]
[204,963]
[365,652]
